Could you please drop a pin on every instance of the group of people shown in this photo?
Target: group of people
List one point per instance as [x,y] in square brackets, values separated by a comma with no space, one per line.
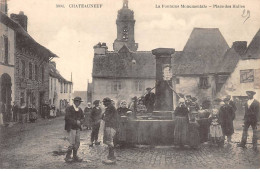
[194,124]
[74,119]
[19,113]
[213,121]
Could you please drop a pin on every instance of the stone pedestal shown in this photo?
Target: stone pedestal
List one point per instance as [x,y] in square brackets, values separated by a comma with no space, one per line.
[163,91]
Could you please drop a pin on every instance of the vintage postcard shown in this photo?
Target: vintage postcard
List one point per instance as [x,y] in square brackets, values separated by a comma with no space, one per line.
[129,84]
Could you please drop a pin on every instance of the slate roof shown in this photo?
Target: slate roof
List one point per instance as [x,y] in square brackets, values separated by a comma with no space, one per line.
[53,72]
[202,53]
[120,65]
[229,61]
[253,50]
[205,52]
[24,39]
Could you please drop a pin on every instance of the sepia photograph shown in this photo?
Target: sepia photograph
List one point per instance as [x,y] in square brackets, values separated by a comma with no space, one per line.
[129,84]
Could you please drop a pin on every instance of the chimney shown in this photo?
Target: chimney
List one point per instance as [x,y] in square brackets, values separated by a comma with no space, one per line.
[21,19]
[3,6]
[53,64]
[240,47]
[100,49]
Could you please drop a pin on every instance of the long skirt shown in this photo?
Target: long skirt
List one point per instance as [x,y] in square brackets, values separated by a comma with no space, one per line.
[194,136]
[181,131]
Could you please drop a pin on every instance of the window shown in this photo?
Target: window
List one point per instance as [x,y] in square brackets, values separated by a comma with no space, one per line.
[246,76]
[177,81]
[6,49]
[61,87]
[116,86]
[203,83]
[36,72]
[23,68]
[139,86]
[30,70]
[22,99]
[42,73]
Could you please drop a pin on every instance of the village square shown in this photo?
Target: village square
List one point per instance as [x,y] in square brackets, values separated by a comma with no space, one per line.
[164,108]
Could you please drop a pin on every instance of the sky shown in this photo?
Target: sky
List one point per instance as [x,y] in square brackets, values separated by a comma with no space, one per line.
[71,33]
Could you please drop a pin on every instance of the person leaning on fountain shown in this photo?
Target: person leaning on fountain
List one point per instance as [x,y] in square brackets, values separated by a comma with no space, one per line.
[111,120]
[73,120]
[251,118]
[149,100]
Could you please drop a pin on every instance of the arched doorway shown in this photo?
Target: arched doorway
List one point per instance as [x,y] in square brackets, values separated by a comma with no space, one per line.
[6,92]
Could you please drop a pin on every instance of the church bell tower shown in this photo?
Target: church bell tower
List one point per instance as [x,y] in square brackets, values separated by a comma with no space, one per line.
[125,29]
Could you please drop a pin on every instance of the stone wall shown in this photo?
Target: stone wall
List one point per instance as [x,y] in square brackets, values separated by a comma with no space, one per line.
[188,85]
[103,88]
[34,86]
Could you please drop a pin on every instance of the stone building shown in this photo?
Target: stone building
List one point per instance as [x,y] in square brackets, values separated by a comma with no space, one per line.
[60,89]
[246,74]
[124,72]
[7,62]
[199,70]
[31,66]
[206,61]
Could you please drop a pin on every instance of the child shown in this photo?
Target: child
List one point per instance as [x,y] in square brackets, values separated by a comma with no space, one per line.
[194,139]
[215,133]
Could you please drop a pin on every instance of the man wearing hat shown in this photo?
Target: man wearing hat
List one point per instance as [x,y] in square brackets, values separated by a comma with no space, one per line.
[149,100]
[73,120]
[110,118]
[250,119]
[95,118]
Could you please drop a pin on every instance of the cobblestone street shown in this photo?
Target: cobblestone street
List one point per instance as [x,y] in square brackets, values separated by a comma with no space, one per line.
[32,146]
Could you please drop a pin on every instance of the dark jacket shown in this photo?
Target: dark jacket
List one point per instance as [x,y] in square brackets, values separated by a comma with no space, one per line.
[226,117]
[96,115]
[72,117]
[252,112]
[182,112]
[110,117]
[232,103]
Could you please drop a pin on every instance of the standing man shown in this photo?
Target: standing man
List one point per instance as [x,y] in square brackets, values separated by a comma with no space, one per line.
[251,118]
[110,118]
[46,110]
[73,120]
[95,119]
[149,100]
[15,110]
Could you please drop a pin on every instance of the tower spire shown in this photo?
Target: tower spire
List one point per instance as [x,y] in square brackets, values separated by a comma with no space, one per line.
[125,3]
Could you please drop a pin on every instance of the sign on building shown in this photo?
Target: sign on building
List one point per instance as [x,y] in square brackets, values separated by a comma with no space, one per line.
[247,76]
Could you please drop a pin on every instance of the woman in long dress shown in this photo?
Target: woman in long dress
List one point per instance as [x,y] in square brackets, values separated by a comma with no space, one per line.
[181,124]
[226,117]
